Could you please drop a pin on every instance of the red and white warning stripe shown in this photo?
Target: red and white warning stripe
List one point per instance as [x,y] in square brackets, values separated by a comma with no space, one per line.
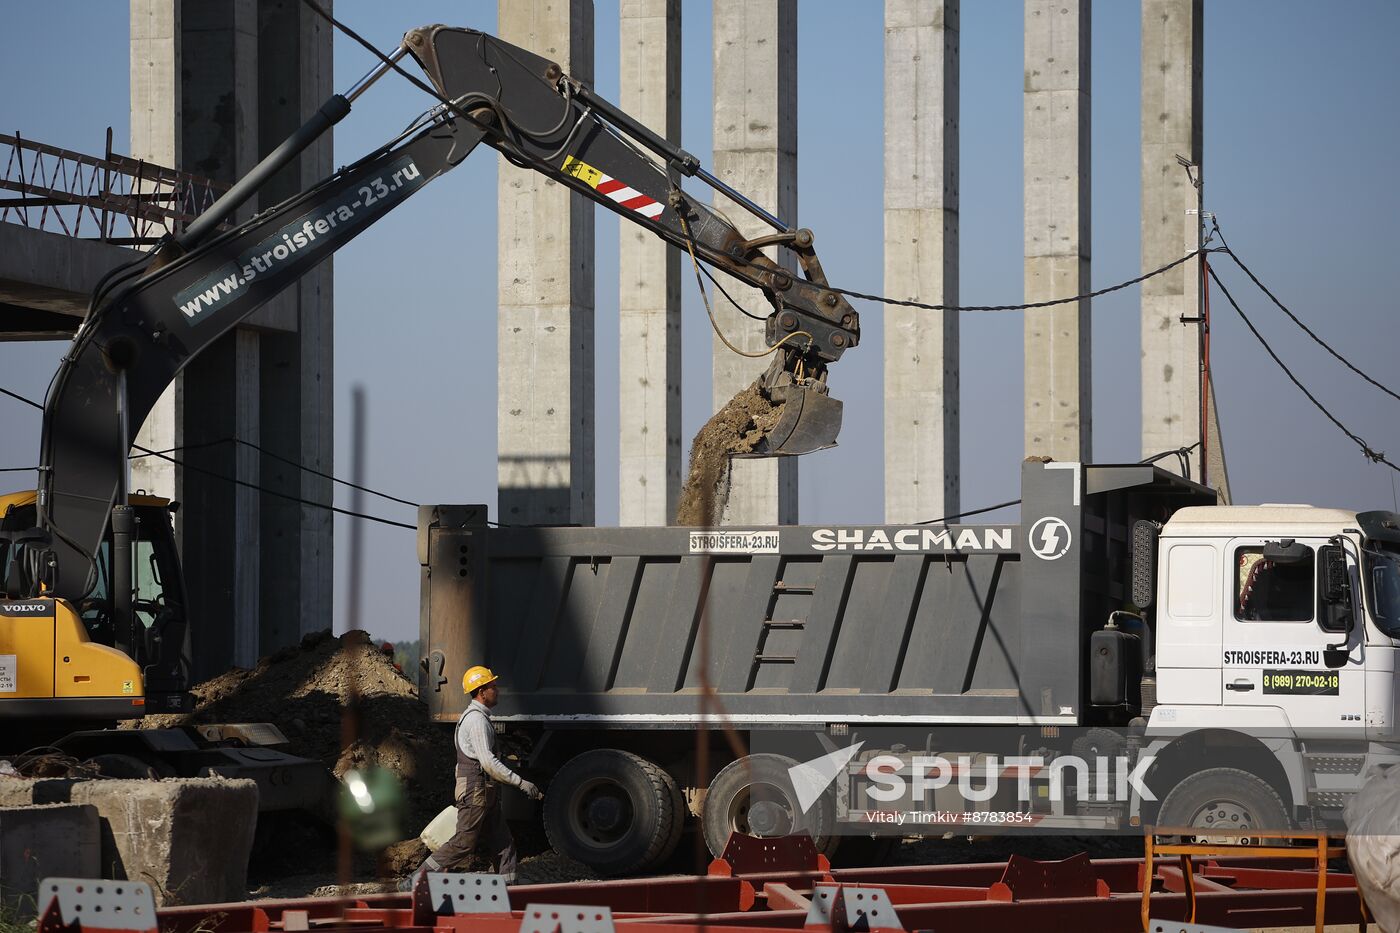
[617,191]
[629,197]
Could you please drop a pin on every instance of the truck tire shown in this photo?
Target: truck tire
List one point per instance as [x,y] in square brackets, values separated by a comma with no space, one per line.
[754,795]
[1226,802]
[613,811]
[682,813]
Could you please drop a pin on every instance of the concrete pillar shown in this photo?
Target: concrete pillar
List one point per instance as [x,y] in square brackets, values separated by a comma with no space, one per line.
[156,135]
[1171,126]
[213,88]
[1057,345]
[194,88]
[296,399]
[545,431]
[649,274]
[921,259]
[755,151]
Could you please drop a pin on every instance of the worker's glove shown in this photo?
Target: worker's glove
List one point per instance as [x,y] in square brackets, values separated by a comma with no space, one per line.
[530,790]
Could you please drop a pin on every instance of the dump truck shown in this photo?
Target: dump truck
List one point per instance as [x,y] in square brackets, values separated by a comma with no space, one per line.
[1232,666]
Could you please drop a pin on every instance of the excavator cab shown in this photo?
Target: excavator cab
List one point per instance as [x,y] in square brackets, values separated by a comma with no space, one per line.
[79,661]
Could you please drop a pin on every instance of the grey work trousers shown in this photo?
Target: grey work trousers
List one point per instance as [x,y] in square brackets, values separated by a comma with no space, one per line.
[480,820]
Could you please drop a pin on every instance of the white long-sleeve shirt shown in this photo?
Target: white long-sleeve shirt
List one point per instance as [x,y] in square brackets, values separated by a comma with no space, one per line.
[476,738]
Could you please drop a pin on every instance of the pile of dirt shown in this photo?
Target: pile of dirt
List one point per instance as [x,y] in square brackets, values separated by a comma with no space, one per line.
[735,429]
[304,689]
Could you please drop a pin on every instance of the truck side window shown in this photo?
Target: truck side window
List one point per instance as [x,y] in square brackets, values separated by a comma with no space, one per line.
[1266,591]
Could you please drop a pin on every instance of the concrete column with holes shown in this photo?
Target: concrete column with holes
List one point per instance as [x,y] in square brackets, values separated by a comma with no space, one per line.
[545,428]
[1056,168]
[1171,127]
[755,152]
[649,282]
[921,259]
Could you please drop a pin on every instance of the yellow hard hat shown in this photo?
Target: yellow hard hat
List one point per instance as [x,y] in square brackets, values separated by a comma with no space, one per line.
[476,677]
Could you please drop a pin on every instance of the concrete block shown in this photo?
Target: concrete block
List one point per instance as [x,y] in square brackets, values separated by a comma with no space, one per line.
[37,842]
[190,839]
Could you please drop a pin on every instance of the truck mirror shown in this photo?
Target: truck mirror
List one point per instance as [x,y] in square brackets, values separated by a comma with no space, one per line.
[1285,551]
[1336,584]
[1335,656]
[1144,561]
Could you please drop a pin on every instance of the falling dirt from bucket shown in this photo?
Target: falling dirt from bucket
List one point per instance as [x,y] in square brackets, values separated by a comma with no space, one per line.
[735,429]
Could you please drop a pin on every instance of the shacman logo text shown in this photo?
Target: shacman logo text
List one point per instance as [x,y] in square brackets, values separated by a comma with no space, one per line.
[911,539]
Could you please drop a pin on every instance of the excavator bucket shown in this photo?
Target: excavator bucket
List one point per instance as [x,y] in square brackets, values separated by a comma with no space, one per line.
[808,420]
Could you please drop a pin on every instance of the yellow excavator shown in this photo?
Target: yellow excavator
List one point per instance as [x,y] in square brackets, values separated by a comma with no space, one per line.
[93,628]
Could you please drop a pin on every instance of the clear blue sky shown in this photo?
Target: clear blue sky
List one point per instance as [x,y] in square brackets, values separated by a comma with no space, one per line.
[1299,166]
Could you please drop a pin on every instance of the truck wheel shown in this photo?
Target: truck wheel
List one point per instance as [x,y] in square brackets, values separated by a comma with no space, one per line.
[682,813]
[1225,802]
[755,796]
[613,811]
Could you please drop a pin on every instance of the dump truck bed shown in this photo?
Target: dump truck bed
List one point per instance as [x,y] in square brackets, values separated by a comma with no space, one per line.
[807,625]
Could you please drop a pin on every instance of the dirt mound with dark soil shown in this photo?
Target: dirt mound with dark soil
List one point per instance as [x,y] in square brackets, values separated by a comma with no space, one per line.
[735,429]
[304,691]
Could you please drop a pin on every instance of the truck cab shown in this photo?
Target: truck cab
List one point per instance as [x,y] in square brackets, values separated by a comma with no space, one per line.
[1277,629]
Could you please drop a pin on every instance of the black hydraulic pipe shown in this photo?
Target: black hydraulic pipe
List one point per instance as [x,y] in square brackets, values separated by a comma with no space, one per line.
[329,114]
[684,162]
[123,618]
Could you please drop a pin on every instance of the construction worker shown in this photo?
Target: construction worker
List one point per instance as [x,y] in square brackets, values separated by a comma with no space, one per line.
[476,791]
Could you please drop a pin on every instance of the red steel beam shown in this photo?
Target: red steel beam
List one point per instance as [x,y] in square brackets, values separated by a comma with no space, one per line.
[672,894]
[1282,878]
[779,896]
[949,898]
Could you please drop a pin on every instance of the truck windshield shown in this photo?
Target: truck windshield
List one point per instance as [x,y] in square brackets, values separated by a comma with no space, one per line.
[1383,579]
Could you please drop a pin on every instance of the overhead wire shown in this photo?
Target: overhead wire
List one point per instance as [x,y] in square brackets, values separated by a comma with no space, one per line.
[968,514]
[278,457]
[1296,320]
[1373,455]
[165,455]
[281,495]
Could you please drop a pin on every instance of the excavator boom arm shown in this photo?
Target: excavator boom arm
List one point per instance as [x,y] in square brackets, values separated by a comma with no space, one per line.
[133,346]
[200,286]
